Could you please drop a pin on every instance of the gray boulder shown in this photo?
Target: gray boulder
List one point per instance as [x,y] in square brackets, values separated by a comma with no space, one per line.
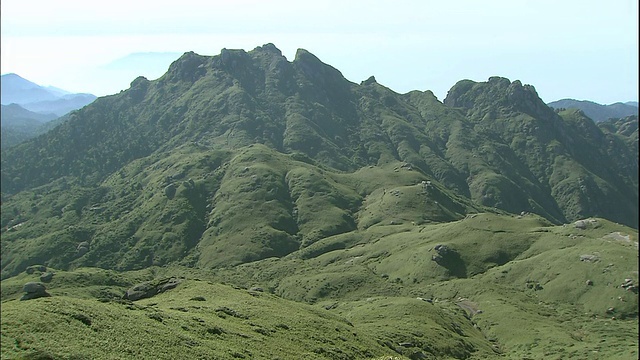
[82,248]
[170,191]
[46,277]
[34,290]
[33,268]
[149,289]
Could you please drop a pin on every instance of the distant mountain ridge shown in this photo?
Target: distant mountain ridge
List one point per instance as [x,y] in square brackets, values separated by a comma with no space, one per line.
[598,112]
[40,99]
[27,106]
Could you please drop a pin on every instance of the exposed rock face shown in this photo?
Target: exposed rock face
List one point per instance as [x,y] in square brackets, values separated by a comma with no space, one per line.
[450,259]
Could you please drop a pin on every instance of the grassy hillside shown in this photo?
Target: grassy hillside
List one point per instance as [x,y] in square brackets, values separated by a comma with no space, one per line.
[509,287]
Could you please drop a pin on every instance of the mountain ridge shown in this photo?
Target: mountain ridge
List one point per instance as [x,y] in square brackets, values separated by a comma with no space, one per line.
[484,226]
[333,119]
[40,99]
[599,112]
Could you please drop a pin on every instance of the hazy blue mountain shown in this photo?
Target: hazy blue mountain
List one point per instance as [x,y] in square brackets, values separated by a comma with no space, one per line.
[18,90]
[598,112]
[40,99]
[62,105]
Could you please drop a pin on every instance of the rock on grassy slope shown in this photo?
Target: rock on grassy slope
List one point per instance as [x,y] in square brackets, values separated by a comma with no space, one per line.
[506,287]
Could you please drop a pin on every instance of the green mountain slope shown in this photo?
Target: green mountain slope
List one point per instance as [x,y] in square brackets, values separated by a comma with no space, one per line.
[397,213]
[238,98]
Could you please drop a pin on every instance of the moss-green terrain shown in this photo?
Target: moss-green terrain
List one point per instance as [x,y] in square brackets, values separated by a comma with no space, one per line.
[302,216]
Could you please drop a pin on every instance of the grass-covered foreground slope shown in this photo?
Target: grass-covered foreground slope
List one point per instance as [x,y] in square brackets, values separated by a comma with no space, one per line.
[505,287]
[201,319]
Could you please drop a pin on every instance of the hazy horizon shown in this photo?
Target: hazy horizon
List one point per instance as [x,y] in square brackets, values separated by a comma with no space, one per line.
[585,50]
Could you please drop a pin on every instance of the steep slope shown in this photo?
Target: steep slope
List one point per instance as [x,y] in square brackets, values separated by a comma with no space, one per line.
[585,172]
[20,124]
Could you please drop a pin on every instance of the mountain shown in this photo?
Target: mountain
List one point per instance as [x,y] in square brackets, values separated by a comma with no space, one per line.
[26,107]
[20,124]
[484,226]
[39,99]
[61,106]
[18,90]
[596,111]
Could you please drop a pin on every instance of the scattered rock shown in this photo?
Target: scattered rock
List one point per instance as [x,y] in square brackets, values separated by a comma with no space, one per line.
[531,284]
[223,311]
[46,277]
[589,258]
[34,290]
[331,306]
[198,298]
[580,224]
[589,282]
[33,268]
[82,248]
[149,289]
[170,284]
[583,224]
[34,287]
[442,249]
[630,285]
[256,288]
[170,191]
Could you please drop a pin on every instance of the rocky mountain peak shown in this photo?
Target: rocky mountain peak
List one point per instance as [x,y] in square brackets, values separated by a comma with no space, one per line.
[268,48]
[496,93]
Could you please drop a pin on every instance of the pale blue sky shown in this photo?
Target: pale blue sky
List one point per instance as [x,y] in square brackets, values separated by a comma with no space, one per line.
[586,50]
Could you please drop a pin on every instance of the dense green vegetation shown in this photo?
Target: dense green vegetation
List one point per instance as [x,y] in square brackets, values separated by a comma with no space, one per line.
[311,217]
